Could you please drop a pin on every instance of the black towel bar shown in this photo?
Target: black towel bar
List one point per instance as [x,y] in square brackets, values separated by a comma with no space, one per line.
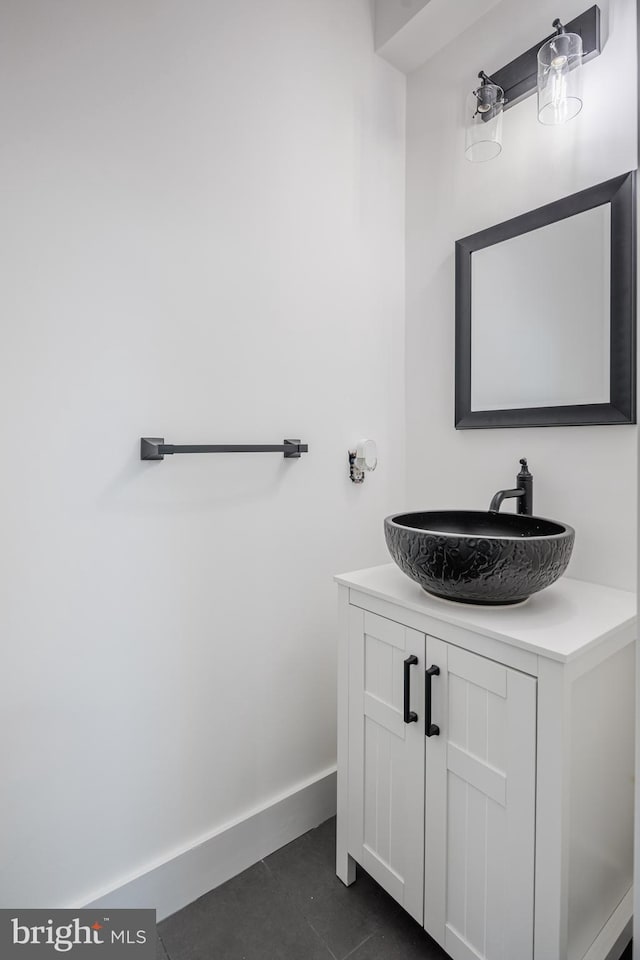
[154,448]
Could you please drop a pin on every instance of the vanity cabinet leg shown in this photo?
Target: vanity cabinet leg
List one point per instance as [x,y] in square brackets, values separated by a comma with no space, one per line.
[345,867]
[345,864]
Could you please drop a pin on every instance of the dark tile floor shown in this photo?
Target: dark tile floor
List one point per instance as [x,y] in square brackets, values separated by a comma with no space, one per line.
[291,906]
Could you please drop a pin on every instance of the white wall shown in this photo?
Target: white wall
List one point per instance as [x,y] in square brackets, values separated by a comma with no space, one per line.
[636,846]
[583,475]
[202,238]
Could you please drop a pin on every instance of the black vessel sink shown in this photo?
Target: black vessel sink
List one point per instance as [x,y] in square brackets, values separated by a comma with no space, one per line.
[479,557]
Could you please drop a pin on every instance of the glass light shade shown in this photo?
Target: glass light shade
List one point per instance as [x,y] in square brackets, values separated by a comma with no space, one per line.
[560,78]
[484,123]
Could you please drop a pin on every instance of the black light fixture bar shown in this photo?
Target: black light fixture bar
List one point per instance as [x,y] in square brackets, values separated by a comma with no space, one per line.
[154,448]
[520,77]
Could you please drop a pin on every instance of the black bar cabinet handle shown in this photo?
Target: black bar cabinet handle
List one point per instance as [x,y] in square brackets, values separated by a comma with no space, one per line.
[431,729]
[409,715]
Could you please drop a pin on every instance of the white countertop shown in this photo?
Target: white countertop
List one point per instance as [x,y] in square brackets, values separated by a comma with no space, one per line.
[559,622]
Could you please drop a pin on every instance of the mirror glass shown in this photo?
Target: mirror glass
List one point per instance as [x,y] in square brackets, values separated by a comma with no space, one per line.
[545,314]
[540,306]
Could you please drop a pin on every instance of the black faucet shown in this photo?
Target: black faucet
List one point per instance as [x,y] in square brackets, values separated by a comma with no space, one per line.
[524,492]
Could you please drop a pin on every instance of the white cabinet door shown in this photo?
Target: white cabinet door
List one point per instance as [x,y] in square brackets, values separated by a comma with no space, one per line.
[386,755]
[480,807]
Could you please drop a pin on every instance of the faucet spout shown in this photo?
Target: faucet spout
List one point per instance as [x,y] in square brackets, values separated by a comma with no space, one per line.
[496,500]
[523,492]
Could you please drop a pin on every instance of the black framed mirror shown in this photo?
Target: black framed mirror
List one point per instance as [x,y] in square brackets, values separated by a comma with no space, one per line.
[545,315]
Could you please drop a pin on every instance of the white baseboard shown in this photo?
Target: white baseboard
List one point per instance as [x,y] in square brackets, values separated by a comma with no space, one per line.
[614,937]
[182,878]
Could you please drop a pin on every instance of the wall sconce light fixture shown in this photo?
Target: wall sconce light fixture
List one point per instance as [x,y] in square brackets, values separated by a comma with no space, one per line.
[560,77]
[484,129]
[553,66]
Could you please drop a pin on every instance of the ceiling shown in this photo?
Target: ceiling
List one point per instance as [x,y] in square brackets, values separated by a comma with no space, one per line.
[410,32]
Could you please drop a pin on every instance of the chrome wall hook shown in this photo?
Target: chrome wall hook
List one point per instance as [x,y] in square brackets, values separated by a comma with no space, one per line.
[362,460]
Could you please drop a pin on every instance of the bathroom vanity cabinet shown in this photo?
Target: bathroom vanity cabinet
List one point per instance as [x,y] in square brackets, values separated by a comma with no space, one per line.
[486,764]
